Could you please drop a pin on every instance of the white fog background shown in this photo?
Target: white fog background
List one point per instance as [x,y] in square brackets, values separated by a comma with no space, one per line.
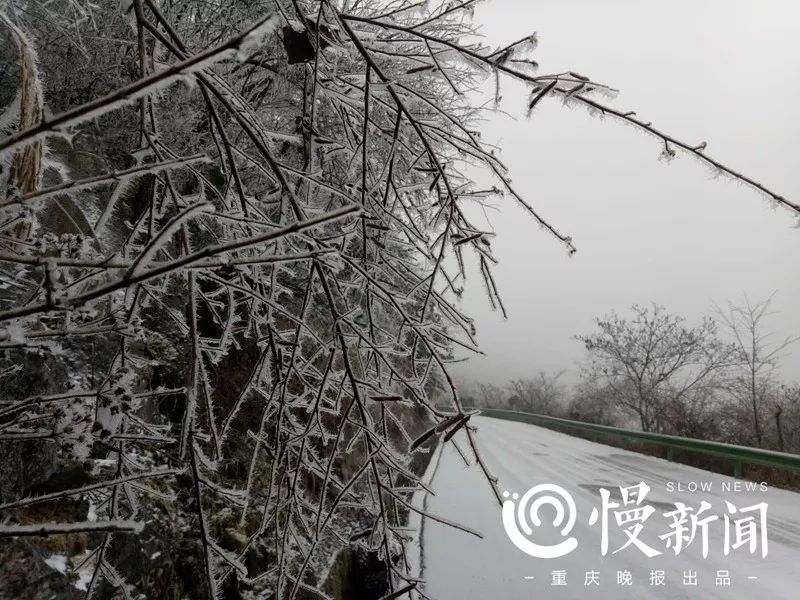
[719,71]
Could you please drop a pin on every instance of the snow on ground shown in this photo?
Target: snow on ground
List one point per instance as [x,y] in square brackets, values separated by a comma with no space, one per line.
[57,562]
[459,566]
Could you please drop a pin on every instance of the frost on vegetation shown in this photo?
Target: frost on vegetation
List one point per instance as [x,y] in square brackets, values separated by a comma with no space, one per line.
[237,299]
[667,154]
[84,578]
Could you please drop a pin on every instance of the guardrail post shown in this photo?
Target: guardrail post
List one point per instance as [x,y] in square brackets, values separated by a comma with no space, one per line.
[737,469]
[670,453]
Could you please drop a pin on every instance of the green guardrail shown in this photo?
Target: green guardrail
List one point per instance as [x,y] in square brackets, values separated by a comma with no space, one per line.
[739,455]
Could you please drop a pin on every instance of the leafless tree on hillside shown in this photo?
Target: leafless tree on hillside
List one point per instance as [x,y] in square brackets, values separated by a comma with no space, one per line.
[654,362]
[757,356]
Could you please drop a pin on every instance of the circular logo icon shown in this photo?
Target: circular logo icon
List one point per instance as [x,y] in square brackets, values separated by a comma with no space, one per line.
[520,514]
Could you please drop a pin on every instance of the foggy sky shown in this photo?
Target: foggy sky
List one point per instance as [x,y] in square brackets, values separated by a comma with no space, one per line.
[719,71]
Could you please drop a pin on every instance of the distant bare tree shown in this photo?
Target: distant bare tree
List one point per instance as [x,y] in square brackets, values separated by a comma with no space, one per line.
[757,355]
[540,394]
[787,419]
[491,395]
[655,360]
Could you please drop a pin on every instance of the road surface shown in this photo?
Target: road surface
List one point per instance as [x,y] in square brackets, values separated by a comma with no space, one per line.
[456,565]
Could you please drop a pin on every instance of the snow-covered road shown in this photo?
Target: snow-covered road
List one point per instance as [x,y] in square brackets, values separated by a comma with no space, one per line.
[456,565]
